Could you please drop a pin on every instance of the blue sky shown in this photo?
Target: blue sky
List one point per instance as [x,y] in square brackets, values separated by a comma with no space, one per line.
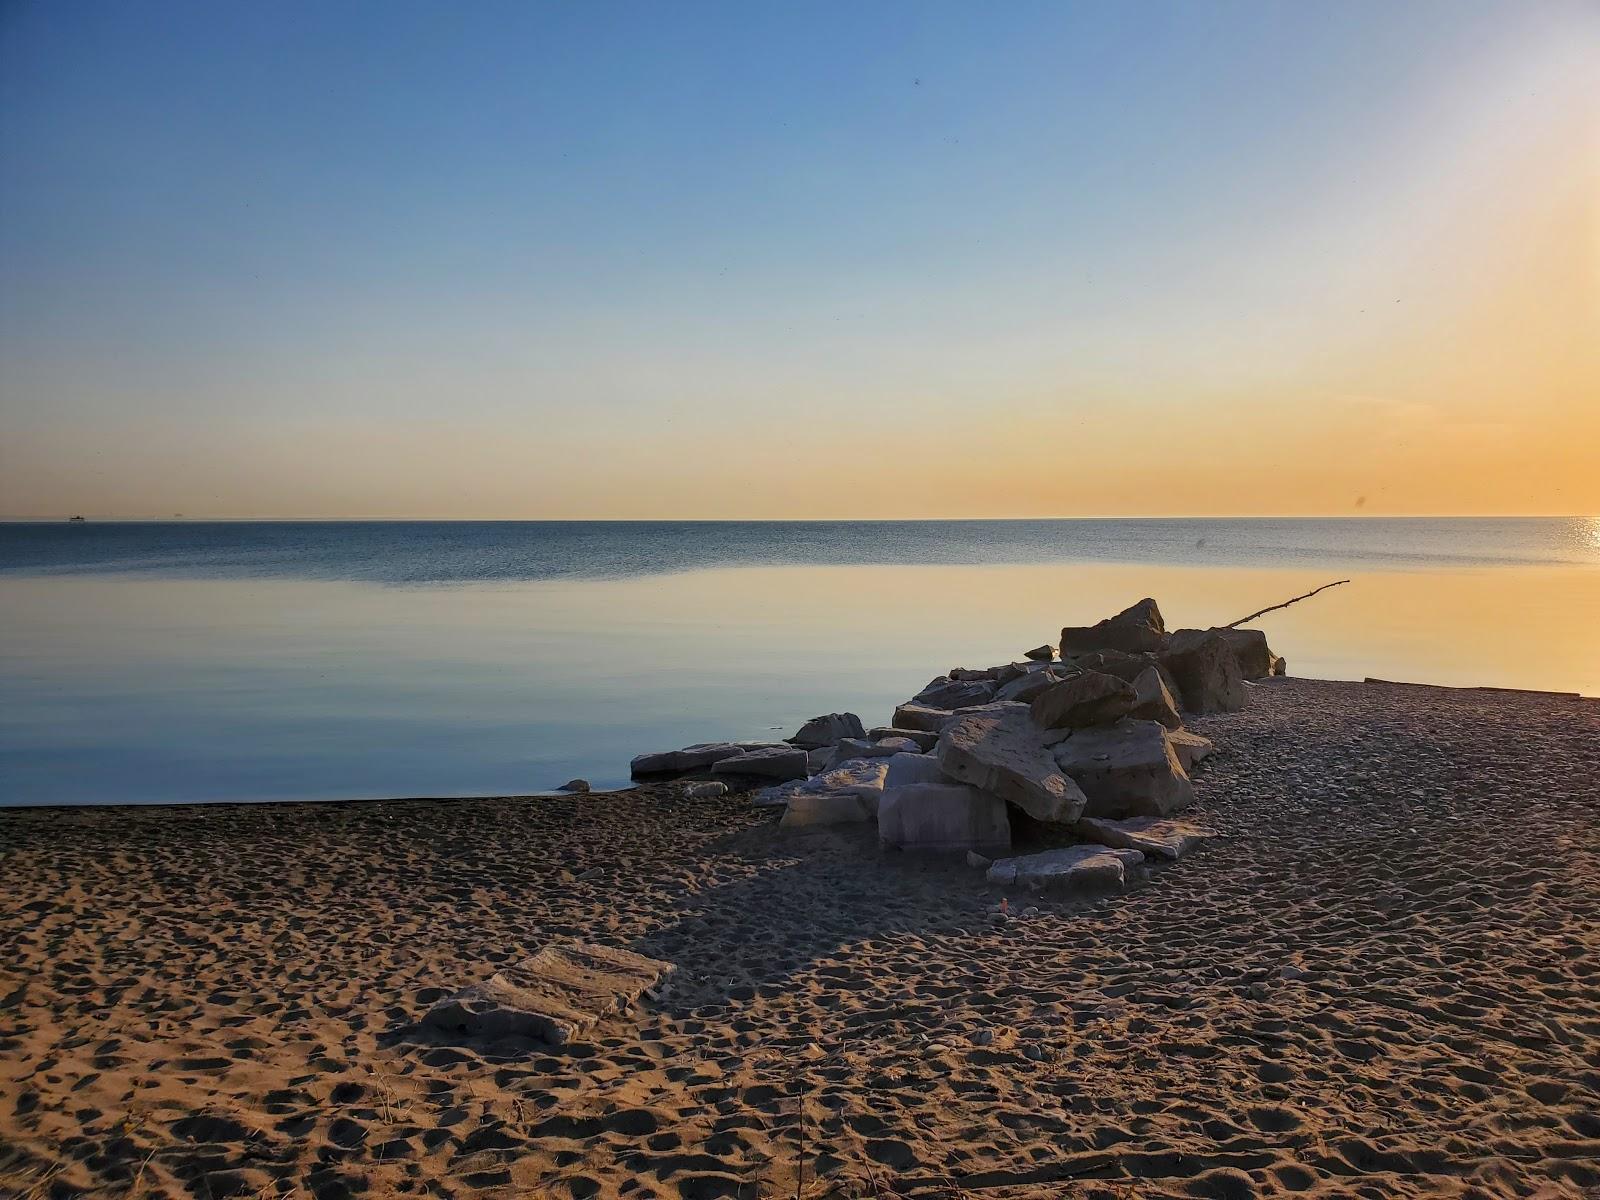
[369,259]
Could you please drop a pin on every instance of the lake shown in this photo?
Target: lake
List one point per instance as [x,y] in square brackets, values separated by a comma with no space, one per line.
[195,661]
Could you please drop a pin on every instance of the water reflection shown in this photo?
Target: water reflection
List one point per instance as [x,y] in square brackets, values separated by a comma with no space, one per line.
[149,689]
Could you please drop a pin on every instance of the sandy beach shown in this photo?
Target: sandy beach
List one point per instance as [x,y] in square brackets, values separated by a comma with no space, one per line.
[1383,980]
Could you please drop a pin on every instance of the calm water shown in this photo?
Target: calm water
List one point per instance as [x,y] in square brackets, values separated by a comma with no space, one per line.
[241,661]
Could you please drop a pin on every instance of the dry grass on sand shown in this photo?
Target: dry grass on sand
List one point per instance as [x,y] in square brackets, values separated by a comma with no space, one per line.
[1383,981]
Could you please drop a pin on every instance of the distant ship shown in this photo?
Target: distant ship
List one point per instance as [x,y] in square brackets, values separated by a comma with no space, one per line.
[74,518]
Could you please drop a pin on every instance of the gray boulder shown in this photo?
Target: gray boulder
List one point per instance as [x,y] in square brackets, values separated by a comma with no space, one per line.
[862,778]
[860,748]
[1040,653]
[914,768]
[921,716]
[948,693]
[770,762]
[811,810]
[1154,837]
[1127,769]
[942,816]
[924,738]
[1152,701]
[1191,748]
[696,757]
[1087,698]
[1207,671]
[1256,659]
[828,730]
[999,749]
[819,760]
[1070,867]
[554,996]
[1028,685]
[1136,629]
[705,791]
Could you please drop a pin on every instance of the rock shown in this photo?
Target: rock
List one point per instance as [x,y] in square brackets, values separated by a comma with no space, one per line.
[948,693]
[983,1037]
[828,730]
[819,759]
[696,757]
[1154,837]
[858,748]
[809,810]
[1207,672]
[1129,667]
[925,739]
[1280,665]
[914,768]
[1250,648]
[554,995]
[862,778]
[778,795]
[942,816]
[998,749]
[1127,769]
[574,785]
[974,859]
[1068,867]
[1152,701]
[1190,748]
[921,717]
[961,673]
[770,762]
[705,791]
[1040,653]
[1028,685]
[1087,698]
[1136,629]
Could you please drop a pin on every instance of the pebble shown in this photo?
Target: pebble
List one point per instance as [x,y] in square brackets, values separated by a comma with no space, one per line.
[983,1037]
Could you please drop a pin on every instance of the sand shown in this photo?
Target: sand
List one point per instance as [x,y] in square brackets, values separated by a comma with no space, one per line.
[1383,981]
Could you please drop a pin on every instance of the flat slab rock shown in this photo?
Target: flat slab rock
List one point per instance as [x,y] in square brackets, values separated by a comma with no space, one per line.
[1155,837]
[999,749]
[1068,867]
[555,995]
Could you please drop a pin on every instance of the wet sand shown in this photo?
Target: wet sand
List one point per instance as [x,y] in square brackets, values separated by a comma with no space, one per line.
[1383,981]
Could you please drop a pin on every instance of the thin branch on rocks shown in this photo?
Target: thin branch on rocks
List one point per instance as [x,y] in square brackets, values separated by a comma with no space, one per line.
[1285,604]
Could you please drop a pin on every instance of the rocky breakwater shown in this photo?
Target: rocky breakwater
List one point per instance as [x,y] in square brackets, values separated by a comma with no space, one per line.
[1087,749]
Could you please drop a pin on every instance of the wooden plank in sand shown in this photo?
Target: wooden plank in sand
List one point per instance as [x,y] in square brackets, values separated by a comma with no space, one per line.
[554,995]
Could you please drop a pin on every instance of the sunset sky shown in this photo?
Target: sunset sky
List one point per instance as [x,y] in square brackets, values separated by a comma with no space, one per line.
[523,260]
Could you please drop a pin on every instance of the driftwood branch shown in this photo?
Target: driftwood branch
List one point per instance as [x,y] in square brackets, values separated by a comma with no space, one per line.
[1285,604]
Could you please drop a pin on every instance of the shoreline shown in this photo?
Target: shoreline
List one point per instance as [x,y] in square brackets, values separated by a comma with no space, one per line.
[1382,973]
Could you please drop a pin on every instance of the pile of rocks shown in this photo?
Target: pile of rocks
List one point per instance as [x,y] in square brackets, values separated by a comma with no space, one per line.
[1092,741]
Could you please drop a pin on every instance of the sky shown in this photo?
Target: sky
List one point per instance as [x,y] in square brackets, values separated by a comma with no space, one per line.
[541,260]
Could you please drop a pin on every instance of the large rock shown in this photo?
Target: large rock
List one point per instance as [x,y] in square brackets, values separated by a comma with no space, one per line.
[1026,687]
[696,757]
[1126,770]
[862,778]
[942,816]
[1256,659]
[859,748]
[1040,653]
[921,716]
[1207,671]
[1068,867]
[1190,747]
[1128,666]
[924,738]
[771,762]
[828,730]
[914,768]
[948,693]
[1152,701]
[811,810]
[1154,837]
[999,749]
[1136,629]
[554,995]
[1087,698]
